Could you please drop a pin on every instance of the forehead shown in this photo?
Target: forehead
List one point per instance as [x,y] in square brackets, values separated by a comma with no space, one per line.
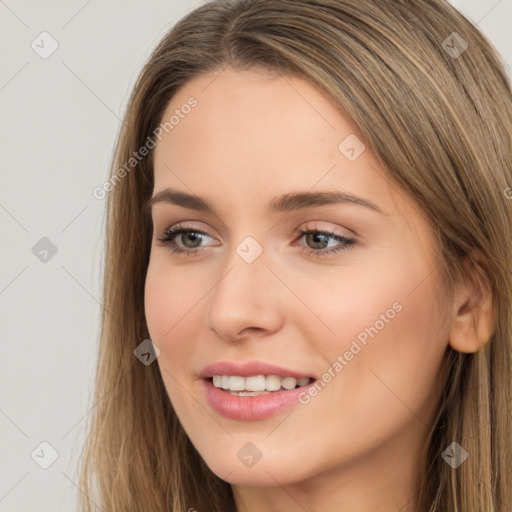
[242,111]
[253,123]
[253,135]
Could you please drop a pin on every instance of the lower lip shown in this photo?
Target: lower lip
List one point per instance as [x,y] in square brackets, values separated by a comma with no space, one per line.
[251,408]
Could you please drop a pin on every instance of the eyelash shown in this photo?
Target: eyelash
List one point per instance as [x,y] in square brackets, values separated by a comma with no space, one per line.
[167,240]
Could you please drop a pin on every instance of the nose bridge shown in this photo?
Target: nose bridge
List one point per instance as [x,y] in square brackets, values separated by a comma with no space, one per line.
[245,267]
[244,296]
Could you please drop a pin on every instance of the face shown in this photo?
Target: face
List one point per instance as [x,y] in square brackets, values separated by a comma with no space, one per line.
[339,294]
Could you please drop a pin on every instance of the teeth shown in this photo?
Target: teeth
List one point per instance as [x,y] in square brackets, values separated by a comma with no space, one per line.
[273,383]
[254,383]
[221,381]
[289,382]
[236,383]
[248,393]
[257,384]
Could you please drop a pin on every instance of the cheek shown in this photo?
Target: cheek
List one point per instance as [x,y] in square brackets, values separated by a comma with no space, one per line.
[168,316]
[392,342]
[390,303]
[168,309]
[390,332]
[169,298]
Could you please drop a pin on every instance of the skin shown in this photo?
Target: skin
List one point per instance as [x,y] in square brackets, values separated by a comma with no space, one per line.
[355,446]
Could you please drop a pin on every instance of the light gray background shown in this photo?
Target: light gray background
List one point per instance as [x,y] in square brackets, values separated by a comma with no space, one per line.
[60,117]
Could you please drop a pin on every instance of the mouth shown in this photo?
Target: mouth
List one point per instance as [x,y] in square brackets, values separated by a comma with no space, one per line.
[257,385]
[255,397]
[252,390]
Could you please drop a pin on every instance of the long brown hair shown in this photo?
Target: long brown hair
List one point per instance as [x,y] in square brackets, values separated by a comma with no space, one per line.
[436,108]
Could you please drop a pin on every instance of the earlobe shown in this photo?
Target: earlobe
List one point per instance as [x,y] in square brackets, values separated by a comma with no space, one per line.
[473,314]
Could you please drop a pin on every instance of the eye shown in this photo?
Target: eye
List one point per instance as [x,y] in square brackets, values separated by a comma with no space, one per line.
[321,237]
[191,239]
[190,236]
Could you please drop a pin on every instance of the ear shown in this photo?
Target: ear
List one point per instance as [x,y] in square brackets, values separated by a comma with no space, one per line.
[473,314]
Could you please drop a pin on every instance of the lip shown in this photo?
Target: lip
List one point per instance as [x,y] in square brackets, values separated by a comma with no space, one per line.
[250,408]
[248,369]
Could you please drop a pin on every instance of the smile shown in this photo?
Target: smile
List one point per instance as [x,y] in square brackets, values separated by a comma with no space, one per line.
[258,384]
[246,404]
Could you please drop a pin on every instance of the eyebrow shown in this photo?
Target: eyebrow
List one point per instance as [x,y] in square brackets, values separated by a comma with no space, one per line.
[284,203]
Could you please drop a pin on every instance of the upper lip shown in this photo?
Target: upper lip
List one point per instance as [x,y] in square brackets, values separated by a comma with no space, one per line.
[248,369]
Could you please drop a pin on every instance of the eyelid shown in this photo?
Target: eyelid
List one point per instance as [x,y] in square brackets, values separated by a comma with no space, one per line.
[316,225]
[345,233]
[182,225]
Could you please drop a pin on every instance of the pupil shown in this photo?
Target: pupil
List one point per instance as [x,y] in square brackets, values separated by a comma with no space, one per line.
[316,237]
[192,235]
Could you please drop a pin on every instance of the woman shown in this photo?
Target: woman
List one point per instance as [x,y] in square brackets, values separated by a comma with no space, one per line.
[244,367]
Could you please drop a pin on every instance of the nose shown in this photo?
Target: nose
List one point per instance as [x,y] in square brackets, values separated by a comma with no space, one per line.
[245,301]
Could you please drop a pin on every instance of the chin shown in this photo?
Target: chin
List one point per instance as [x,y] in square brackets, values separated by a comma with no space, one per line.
[270,471]
[260,477]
